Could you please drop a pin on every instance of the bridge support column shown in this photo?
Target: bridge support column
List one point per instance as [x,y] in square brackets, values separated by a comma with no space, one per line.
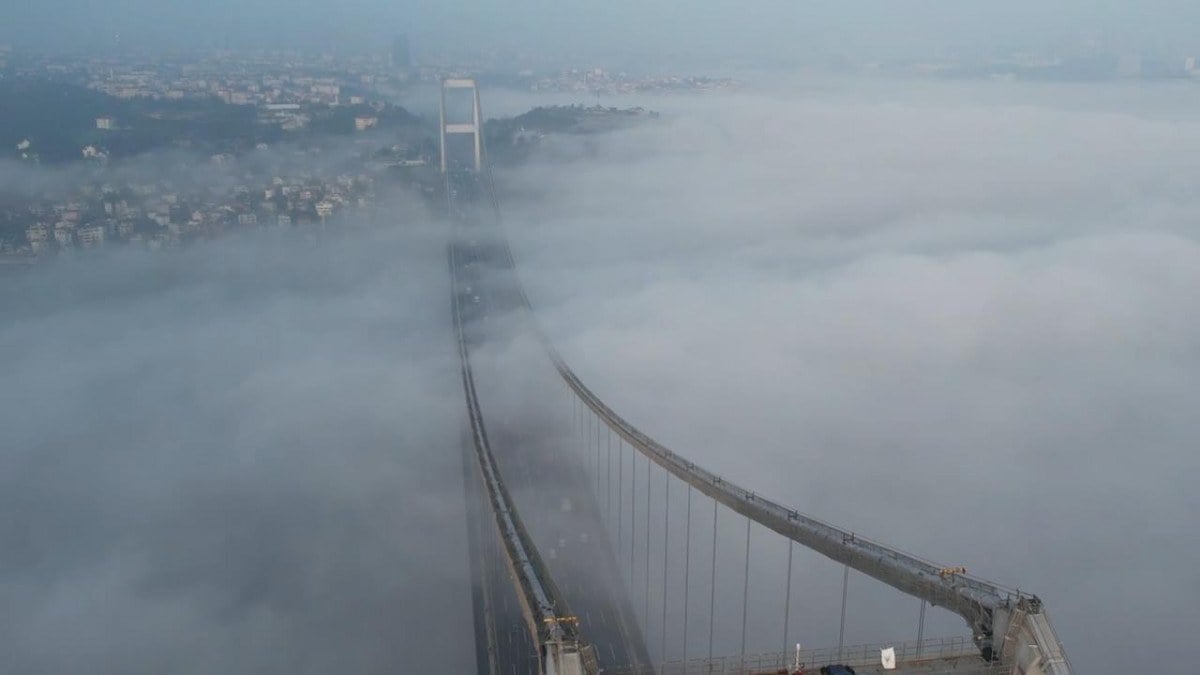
[608,478]
[787,596]
[474,127]
[620,495]
[687,568]
[646,610]
[842,627]
[921,629]
[1027,640]
[746,591]
[597,425]
[564,658]
[712,596]
[632,514]
[666,553]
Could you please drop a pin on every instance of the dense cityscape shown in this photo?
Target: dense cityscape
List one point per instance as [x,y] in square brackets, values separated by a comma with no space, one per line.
[334,117]
[238,140]
[298,138]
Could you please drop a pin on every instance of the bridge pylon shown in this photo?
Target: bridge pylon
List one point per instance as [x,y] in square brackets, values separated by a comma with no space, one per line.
[474,127]
[561,657]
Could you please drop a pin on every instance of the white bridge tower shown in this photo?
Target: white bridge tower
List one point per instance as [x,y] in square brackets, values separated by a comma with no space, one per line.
[474,127]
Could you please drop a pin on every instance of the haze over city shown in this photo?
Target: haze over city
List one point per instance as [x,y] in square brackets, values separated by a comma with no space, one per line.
[921,271]
[707,32]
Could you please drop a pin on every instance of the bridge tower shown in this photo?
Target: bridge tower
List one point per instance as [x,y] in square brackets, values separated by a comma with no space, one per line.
[474,127]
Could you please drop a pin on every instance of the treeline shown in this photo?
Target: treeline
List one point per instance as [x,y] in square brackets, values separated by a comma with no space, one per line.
[511,139]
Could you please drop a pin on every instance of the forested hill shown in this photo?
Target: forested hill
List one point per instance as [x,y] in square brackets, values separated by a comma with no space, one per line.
[59,119]
[511,138]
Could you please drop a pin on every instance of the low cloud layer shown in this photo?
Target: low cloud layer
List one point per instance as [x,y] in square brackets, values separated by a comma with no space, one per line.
[956,318]
[241,456]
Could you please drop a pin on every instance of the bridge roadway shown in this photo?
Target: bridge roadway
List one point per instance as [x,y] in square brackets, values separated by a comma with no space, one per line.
[544,611]
[503,643]
[548,483]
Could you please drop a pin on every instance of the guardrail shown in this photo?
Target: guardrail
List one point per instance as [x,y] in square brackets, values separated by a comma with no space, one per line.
[928,657]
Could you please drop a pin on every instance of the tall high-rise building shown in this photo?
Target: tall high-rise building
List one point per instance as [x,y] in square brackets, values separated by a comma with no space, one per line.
[399,56]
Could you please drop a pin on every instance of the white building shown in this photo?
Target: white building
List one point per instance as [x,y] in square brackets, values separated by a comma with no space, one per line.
[91,235]
[37,233]
[63,235]
[324,209]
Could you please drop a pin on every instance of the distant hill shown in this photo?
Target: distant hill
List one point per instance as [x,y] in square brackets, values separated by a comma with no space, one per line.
[511,139]
[59,119]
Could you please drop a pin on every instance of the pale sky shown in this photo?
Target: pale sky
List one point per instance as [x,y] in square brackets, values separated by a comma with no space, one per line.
[704,31]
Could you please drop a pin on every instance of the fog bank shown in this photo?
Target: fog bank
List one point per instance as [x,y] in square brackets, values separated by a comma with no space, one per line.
[240,456]
[956,318]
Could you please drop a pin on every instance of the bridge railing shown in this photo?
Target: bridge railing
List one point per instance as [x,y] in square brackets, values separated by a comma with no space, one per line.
[928,657]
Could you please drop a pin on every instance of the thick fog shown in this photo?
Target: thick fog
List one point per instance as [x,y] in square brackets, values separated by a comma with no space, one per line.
[956,318]
[240,456]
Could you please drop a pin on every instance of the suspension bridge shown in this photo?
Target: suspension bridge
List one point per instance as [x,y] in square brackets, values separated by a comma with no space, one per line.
[596,549]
